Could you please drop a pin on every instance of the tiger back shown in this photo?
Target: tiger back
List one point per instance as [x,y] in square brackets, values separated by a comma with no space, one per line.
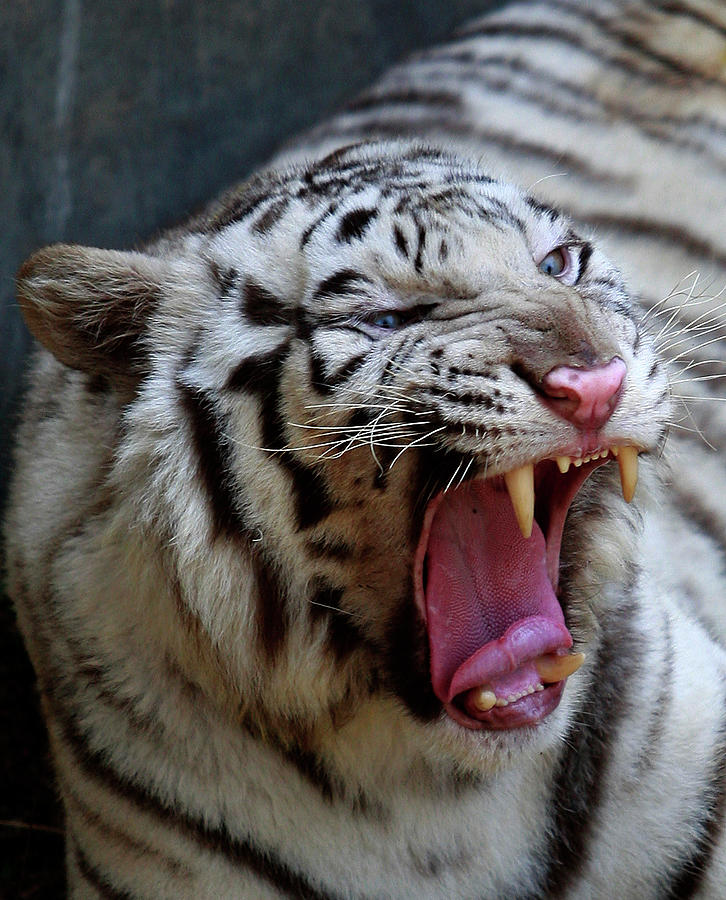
[365,533]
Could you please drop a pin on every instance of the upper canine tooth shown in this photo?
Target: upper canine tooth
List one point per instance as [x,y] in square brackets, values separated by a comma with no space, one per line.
[563,463]
[520,484]
[628,465]
[552,668]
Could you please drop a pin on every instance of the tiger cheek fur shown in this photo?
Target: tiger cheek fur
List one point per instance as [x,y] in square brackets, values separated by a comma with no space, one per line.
[339,480]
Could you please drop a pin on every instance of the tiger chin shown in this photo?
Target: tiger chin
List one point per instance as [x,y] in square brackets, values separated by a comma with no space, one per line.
[325,538]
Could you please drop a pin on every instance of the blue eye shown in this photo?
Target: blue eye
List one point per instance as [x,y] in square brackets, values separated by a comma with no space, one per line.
[554,263]
[388,320]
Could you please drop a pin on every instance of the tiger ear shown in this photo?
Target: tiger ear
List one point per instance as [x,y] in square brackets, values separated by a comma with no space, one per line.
[90,307]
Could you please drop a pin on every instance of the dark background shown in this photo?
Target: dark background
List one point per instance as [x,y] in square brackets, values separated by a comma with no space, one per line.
[116,119]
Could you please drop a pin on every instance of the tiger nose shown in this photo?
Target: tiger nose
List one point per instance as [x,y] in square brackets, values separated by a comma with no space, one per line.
[586,397]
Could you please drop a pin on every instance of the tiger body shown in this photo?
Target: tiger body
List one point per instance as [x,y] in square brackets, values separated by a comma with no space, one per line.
[247,445]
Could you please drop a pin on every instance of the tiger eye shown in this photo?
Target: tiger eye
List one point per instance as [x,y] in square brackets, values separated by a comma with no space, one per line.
[388,320]
[554,263]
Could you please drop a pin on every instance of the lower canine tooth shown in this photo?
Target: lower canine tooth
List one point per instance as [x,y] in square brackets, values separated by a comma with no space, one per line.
[628,465]
[552,668]
[484,700]
[520,484]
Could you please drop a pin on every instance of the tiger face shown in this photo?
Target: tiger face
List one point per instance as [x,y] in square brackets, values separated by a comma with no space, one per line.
[379,415]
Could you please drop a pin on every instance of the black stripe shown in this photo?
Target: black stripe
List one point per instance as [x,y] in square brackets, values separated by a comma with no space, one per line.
[316,223]
[668,66]
[635,44]
[339,284]
[343,636]
[236,204]
[680,9]
[407,665]
[405,97]
[577,790]
[585,254]
[694,506]
[225,278]
[325,547]
[324,382]
[272,608]
[112,833]
[262,307]
[261,375]
[92,876]
[214,459]
[271,216]
[547,92]
[244,853]
[543,208]
[400,241]
[651,749]
[694,869]
[331,788]
[420,127]
[639,226]
[353,225]
[312,498]
[314,771]
[418,261]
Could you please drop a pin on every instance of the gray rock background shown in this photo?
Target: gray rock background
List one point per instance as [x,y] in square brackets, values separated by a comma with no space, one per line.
[116,119]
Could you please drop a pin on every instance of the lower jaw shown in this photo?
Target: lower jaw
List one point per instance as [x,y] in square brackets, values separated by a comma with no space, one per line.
[527,711]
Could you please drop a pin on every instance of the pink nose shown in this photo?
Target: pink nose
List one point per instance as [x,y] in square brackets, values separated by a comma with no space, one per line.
[585,397]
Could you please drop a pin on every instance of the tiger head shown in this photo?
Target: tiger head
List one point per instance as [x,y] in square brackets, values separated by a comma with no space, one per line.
[374,414]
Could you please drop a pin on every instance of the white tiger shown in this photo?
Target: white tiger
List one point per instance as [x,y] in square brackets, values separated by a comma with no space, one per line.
[320,533]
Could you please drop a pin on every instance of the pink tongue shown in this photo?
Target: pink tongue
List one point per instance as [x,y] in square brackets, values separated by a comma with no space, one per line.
[490,606]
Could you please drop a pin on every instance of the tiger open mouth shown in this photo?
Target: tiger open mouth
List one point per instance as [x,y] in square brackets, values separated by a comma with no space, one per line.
[486,576]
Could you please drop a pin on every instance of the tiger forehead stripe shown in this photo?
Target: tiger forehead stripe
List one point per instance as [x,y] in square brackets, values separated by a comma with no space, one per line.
[354,224]
[261,307]
[340,283]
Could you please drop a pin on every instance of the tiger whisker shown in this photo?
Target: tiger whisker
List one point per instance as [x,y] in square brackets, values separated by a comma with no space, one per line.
[674,314]
[694,364]
[417,443]
[345,612]
[698,378]
[345,428]
[699,331]
[362,439]
[708,318]
[465,472]
[695,349]
[689,416]
[453,477]
[673,293]
[690,430]
[672,340]
[688,335]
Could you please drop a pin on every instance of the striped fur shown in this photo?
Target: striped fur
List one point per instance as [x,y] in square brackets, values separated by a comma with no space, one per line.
[227,458]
